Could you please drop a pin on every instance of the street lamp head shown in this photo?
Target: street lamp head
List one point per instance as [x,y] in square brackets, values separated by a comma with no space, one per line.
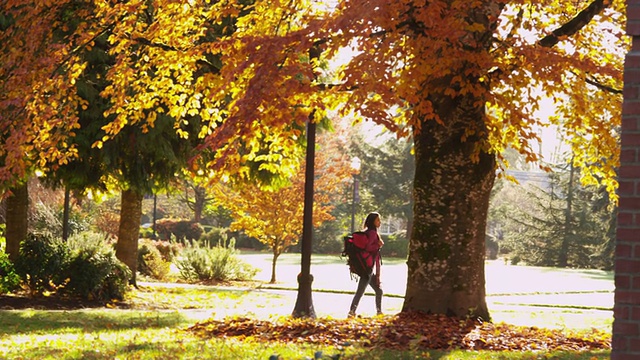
[355,165]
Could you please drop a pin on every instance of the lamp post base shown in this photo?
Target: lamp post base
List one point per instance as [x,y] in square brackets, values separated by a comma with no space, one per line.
[304,303]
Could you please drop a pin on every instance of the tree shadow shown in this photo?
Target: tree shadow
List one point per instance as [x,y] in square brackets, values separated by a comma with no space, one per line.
[55,302]
[14,322]
[131,350]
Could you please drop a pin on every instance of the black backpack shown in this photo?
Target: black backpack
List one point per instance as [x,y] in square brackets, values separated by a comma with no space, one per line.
[356,255]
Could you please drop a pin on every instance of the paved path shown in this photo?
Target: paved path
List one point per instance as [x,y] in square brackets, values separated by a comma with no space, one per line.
[529,296]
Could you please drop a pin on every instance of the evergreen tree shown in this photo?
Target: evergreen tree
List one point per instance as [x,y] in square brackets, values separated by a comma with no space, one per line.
[567,225]
[387,177]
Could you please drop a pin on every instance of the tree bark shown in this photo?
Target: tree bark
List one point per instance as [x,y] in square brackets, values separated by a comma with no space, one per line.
[200,199]
[454,176]
[276,254]
[129,230]
[451,201]
[16,217]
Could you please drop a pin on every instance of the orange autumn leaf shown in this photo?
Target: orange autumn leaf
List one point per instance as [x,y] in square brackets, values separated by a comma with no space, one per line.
[404,331]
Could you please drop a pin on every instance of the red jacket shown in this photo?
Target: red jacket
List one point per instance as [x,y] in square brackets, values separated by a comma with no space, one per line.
[373,248]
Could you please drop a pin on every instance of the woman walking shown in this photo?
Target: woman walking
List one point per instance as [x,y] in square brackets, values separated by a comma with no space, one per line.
[374,243]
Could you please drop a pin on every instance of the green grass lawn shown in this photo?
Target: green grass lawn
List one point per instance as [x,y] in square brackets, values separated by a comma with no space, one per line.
[159,333]
[152,324]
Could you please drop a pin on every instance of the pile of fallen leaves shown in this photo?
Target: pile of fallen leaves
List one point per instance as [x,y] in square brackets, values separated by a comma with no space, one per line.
[403,332]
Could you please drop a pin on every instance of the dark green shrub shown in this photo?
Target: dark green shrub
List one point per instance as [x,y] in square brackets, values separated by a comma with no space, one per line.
[181,229]
[93,271]
[168,249]
[164,228]
[204,263]
[327,238]
[395,245]
[146,233]
[193,231]
[246,242]
[97,276]
[49,218]
[151,262]
[492,247]
[216,236]
[9,279]
[40,261]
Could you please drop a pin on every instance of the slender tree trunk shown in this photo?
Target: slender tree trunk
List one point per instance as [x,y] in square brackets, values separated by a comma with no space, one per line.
[276,254]
[65,214]
[451,201]
[16,217]
[198,203]
[304,301]
[155,215]
[129,230]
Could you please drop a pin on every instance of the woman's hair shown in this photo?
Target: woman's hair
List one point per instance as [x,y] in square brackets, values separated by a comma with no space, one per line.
[369,222]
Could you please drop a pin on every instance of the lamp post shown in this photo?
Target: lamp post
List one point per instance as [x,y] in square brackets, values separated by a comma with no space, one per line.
[304,302]
[355,170]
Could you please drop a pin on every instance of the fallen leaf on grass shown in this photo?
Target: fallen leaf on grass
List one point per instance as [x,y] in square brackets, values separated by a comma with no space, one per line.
[404,331]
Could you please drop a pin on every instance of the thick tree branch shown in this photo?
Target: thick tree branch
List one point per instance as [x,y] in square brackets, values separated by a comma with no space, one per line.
[603,87]
[81,47]
[575,24]
[593,81]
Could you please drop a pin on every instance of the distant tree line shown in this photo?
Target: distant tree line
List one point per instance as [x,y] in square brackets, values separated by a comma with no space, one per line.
[565,225]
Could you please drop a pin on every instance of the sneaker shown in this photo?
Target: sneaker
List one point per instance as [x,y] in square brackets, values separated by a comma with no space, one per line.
[352,314]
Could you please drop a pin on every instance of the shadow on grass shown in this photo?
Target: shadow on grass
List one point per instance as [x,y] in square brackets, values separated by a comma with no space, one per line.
[13,322]
[46,352]
[129,351]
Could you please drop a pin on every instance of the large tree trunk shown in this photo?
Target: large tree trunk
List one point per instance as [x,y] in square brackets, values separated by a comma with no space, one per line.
[17,224]
[452,185]
[453,180]
[129,230]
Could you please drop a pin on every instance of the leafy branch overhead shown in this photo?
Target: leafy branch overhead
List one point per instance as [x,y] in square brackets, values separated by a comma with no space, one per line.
[239,64]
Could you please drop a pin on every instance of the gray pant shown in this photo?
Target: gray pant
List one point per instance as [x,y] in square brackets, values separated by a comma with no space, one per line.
[362,286]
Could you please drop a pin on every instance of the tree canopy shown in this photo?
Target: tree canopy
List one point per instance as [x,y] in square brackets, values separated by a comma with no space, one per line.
[244,68]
